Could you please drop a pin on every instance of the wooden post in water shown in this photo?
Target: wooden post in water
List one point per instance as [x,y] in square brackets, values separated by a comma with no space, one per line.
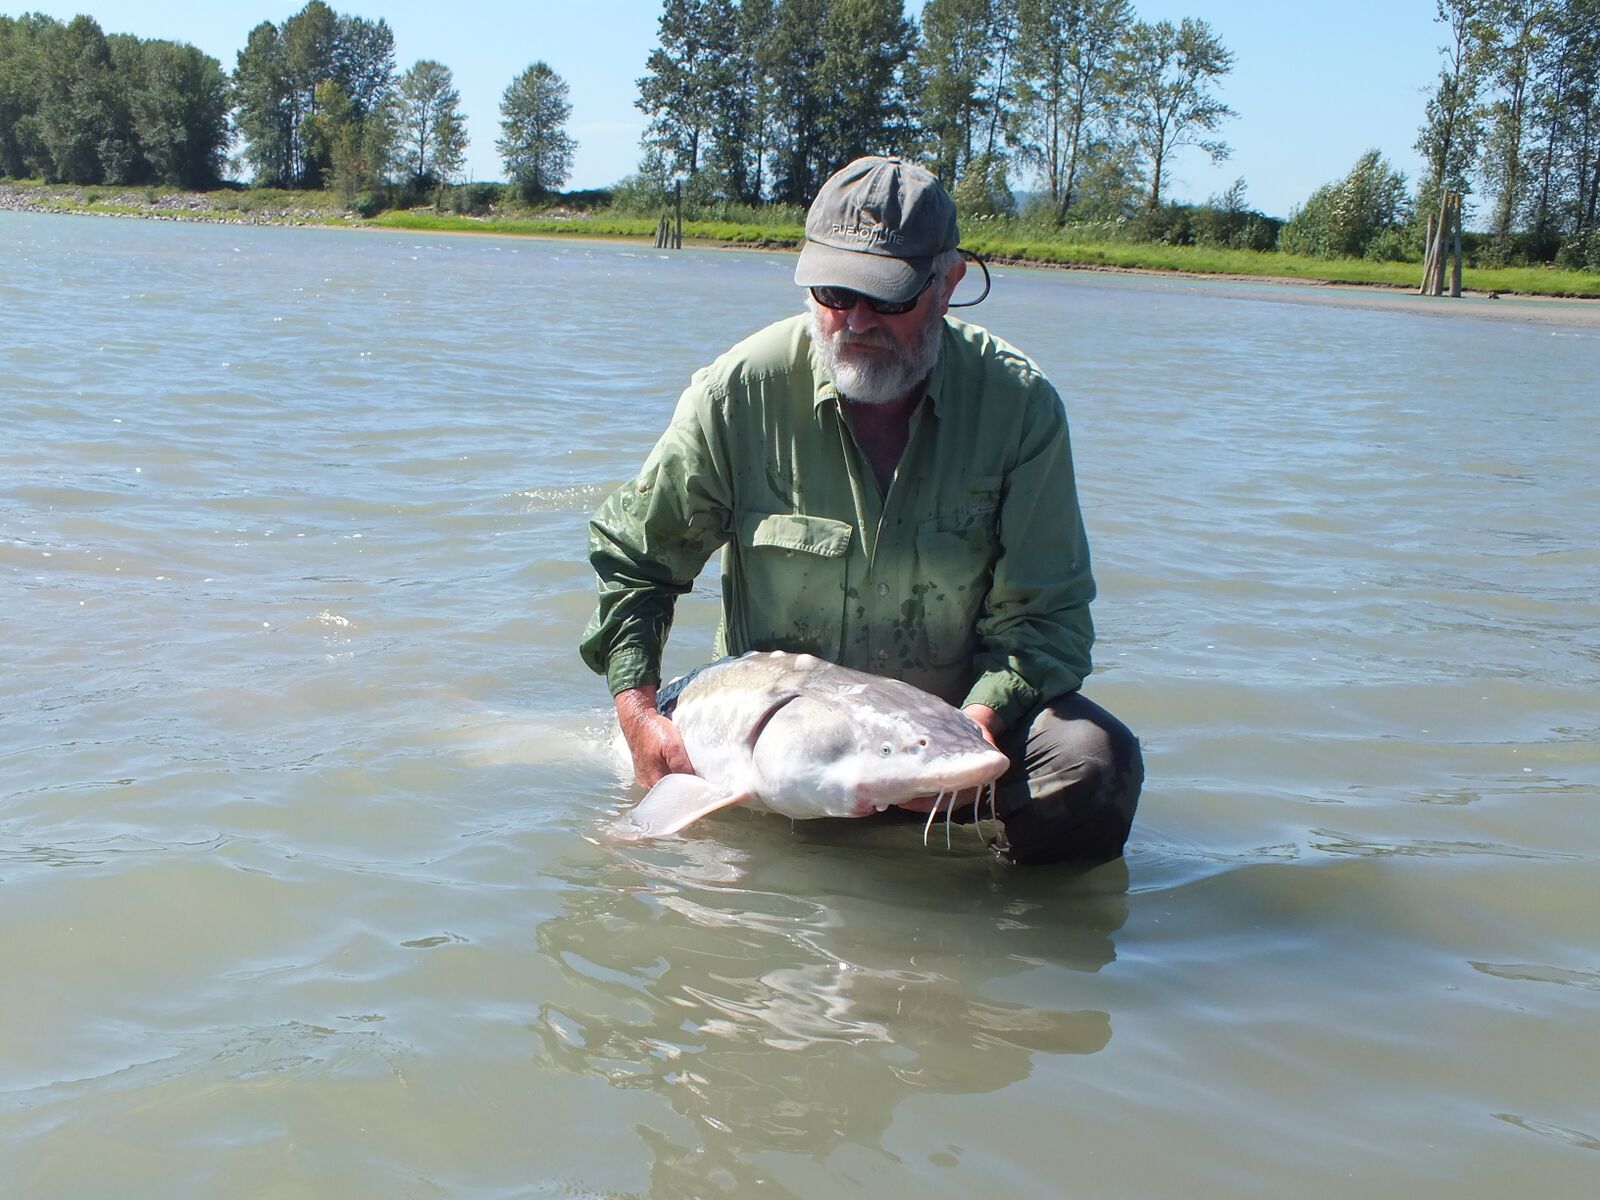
[677,203]
[1455,270]
[1428,256]
[1443,242]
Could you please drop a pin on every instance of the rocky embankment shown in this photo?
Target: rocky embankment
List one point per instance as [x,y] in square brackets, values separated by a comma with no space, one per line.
[222,207]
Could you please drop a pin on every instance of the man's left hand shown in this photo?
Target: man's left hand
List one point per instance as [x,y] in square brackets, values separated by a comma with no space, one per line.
[992,727]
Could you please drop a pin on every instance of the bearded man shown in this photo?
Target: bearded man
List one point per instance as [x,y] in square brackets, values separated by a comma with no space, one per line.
[893,490]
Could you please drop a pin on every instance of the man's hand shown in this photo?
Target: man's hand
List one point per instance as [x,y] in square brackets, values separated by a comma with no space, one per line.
[653,741]
[991,726]
[988,721]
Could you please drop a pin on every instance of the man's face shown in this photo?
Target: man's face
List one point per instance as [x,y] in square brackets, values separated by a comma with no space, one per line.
[878,358]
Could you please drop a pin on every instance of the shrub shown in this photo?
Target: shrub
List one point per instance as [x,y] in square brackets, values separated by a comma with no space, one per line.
[366,204]
[475,199]
[1342,219]
[1580,252]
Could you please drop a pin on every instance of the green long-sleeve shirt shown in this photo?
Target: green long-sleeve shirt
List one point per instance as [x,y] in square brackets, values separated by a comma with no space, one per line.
[969,579]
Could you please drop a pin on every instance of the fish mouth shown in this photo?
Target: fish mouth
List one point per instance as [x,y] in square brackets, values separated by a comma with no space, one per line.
[970,771]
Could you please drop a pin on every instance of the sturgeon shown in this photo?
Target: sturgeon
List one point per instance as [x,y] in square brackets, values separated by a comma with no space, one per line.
[796,735]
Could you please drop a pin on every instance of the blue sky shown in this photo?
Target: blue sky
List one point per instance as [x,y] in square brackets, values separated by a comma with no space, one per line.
[1315,84]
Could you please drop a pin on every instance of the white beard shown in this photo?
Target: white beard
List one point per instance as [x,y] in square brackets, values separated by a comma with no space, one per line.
[877,379]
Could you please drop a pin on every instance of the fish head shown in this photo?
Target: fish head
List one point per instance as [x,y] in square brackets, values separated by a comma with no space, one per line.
[858,748]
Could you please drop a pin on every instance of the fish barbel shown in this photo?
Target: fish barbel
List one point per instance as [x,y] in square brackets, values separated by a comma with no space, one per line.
[794,734]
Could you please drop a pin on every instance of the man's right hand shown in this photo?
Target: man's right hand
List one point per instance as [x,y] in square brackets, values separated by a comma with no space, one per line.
[653,741]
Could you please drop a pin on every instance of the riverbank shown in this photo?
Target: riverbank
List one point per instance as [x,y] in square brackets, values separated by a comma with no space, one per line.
[1012,247]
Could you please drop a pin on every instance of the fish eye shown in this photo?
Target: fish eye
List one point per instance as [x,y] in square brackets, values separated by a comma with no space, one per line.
[886,749]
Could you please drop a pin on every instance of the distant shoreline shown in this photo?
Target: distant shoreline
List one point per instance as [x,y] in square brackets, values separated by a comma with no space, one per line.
[213,208]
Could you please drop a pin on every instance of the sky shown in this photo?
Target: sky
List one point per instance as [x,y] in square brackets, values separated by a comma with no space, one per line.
[1315,84]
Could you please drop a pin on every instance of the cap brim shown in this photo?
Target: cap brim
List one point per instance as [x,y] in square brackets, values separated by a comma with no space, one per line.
[875,275]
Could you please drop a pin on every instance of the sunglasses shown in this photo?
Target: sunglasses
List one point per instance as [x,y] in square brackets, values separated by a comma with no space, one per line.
[844,299]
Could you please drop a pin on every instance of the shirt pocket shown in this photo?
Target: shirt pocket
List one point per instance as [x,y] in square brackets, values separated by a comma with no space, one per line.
[789,591]
[956,552]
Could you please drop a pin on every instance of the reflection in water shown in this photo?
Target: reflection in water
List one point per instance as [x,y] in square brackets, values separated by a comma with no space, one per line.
[795,1016]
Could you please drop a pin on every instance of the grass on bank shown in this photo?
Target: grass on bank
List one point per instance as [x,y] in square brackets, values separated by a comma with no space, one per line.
[780,227]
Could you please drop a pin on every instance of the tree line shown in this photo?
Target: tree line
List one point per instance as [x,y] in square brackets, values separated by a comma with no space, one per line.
[1515,115]
[317,102]
[755,100]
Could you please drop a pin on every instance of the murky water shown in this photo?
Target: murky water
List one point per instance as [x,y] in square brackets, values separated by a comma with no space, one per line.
[303,888]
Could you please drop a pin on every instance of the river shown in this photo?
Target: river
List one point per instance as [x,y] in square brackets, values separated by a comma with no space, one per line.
[304,882]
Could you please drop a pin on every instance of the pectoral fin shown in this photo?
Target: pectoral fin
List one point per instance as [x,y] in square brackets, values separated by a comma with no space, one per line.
[676,801]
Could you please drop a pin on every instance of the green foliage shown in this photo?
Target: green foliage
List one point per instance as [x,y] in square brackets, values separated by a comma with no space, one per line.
[1359,216]
[1068,69]
[1167,75]
[474,199]
[953,62]
[313,100]
[1581,252]
[1453,124]
[432,132]
[535,146]
[984,190]
[78,106]
[866,46]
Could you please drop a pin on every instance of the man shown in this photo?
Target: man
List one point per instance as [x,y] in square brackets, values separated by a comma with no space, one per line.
[893,491]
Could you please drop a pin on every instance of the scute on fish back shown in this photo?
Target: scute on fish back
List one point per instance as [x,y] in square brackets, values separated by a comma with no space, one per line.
[800,736]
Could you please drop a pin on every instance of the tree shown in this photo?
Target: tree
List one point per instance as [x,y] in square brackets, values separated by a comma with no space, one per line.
[680,79]
[1518,29]
[1168,73]
[535,146]
[178,102]
[740,107]
[363,63]
[1347,218]
[77,117]
[791,62]
[1067,53]
[432,131]
[310,38]
[22,76]
[860,86]
[263,110]
[279,77]
[952,60]
[1453,124]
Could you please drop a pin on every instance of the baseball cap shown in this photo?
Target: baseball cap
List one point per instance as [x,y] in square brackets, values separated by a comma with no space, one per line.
[875,227]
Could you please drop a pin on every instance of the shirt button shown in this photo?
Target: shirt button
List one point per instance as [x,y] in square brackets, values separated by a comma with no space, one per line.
[883,589]
[883,655]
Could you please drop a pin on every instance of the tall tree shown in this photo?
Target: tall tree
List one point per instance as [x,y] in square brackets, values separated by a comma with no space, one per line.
[681,75]
[1453,124]
[534,145]
[740,108]
[952,61]
[363,63]
[1168,72]
[432,131]
[860,86]
[263,107]
[22,84]
[792,58]
[178,101]
[1067,54]
[1518,29]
